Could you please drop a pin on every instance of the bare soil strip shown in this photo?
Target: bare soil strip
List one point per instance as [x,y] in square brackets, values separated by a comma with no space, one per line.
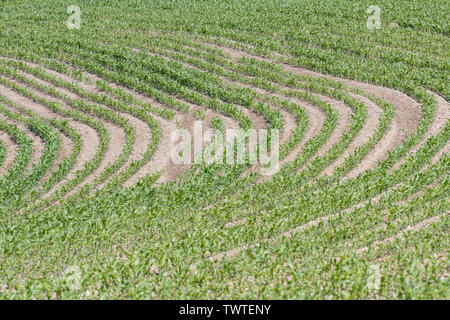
[445,150]
[11,152]
[287,234]
[66,146]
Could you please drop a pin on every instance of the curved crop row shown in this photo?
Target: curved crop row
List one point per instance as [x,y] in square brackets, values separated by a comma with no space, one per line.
[88,118]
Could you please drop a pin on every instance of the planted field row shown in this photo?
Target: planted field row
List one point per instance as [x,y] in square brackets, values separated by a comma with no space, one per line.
[87,170]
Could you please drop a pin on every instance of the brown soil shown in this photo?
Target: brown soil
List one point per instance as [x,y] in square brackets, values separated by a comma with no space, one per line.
[11,152]
[438,124]
[373,115]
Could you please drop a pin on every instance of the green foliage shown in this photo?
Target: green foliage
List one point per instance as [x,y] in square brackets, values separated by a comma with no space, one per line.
[222,231]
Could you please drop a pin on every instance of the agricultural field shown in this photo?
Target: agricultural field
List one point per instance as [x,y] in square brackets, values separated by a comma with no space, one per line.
[93,205]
